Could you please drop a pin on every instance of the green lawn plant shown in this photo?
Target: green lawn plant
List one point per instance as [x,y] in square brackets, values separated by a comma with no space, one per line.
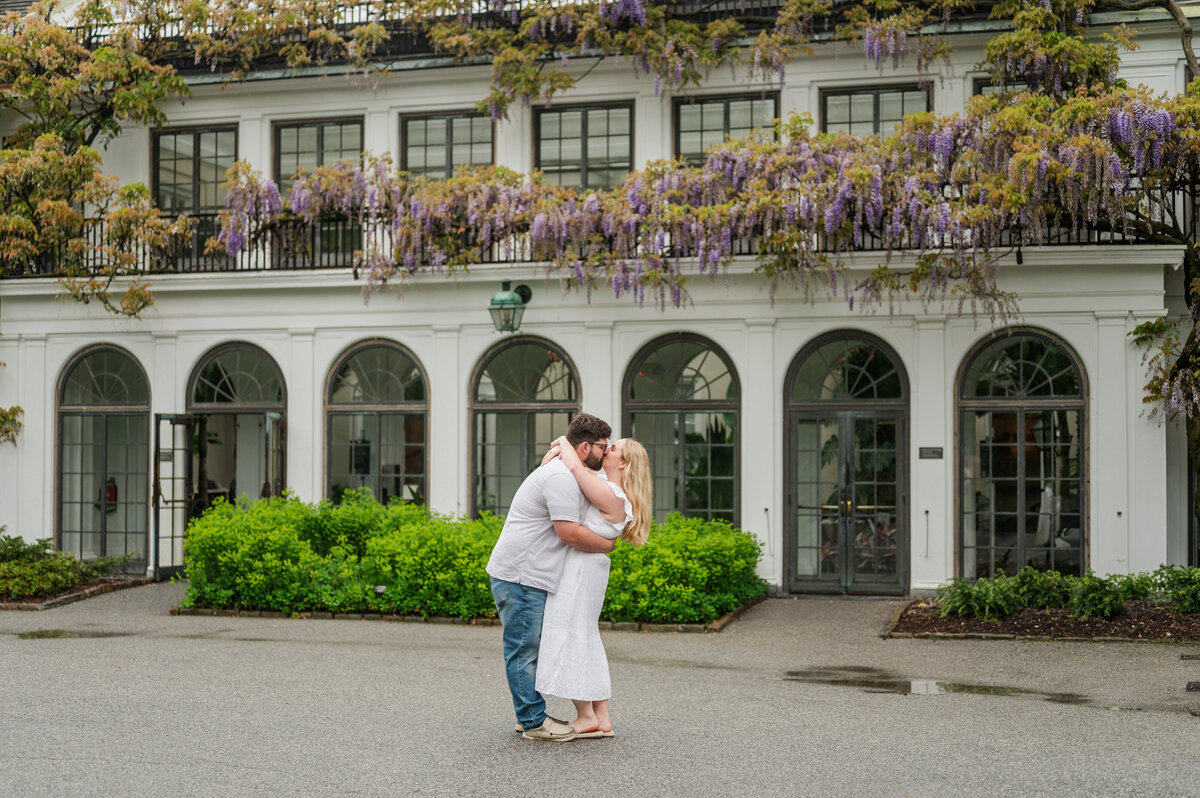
[357,555]
[1087,596]
[35,570]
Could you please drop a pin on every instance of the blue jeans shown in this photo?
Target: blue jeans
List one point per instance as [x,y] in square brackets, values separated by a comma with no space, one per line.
[521,609]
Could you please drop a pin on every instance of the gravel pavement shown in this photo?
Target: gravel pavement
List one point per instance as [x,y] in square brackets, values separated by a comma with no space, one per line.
[798,697]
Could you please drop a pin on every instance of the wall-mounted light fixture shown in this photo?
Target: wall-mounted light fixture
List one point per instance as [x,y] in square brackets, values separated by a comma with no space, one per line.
[508,306]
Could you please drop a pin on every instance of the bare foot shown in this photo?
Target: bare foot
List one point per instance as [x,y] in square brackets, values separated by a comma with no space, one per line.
[584,725]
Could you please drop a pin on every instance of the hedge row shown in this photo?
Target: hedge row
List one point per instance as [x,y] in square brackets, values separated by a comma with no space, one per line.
[1088,596]
[360,556]
[36,570]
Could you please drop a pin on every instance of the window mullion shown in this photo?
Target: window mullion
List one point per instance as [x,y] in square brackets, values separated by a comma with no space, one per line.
[583,148]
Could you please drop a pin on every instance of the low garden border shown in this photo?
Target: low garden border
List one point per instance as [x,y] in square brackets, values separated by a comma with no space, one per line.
[110,585]
[719,625]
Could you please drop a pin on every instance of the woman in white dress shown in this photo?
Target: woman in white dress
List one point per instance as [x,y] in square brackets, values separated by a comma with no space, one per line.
[571,662]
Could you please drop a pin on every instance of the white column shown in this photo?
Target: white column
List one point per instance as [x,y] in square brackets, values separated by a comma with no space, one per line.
[254,144]
[305,439]
[601,388]
[1147,468]
[10,462]
[762,454]
[381,134]
[931,480]
[35,476]
[1109,431]
[167,389]
[449,480]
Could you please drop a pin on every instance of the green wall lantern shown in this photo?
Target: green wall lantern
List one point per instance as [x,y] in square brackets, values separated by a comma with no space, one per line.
[508,306]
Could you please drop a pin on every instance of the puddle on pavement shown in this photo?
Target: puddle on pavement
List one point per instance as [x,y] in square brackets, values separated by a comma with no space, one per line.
[875,680]
[45,634]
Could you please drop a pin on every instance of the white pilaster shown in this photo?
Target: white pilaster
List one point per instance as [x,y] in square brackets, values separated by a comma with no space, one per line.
[1146,469]
[449,480]
[1109,430]
[931,481]
[35,476]
[762,449]
[601,385]
[305,451]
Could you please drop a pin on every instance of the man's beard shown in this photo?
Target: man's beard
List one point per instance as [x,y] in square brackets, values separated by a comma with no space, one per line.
[596,466]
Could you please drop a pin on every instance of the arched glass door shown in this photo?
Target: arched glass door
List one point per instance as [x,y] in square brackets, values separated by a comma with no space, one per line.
[682,403]
[1022,416]
[846,483]
[523,396]
[103,458]
[238,404]
[377,409]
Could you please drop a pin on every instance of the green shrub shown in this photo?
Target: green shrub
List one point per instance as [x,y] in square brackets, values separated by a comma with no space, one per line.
[431,565]
[348,523]
[1042,589]
[988,599]
[36,570]
[281,554]
[1134,587]
[1180,586]
[690,571]
[250,555]
[1093,597]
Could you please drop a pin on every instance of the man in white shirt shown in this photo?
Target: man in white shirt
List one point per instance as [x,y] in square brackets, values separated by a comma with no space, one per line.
[527,561]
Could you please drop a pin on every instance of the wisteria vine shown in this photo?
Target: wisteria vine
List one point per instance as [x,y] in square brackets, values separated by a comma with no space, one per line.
[955,193]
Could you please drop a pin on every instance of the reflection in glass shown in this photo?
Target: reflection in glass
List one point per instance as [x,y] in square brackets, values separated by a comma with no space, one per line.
[378,425]
[1021,491]
[682,405]
[103,465]
[524,398]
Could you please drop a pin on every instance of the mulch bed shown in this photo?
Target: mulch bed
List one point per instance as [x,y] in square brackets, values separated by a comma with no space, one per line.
[1142,620]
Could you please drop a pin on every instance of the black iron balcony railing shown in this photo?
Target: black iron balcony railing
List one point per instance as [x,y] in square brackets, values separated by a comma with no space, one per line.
[333,244]
[407,41]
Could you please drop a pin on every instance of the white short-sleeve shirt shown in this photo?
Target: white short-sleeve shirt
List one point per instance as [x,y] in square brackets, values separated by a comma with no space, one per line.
[529,551]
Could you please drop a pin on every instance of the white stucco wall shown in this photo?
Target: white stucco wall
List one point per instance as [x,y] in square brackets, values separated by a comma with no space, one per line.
[1087,297]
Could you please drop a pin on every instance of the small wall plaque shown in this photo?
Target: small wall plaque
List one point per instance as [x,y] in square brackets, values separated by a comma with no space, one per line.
[930,452]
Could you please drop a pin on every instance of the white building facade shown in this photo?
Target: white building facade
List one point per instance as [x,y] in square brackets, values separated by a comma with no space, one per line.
[878,452]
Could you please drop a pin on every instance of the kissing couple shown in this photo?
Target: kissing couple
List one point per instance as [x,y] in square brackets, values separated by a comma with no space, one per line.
[549,572]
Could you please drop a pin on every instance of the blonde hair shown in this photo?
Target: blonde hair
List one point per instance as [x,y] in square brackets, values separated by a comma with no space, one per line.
[639,487]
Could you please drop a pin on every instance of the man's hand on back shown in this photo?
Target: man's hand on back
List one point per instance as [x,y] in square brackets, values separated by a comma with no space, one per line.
[580,537]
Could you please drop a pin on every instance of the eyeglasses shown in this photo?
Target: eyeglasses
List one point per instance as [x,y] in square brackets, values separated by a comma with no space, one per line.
[603,447]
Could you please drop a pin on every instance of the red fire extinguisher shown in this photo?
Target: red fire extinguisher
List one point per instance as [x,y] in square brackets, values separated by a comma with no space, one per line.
[108,495]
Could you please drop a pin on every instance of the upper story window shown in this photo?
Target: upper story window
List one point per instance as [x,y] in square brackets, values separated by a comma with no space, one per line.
[985,86]
[433,146]
[303,146]
[586,147]
[189,168]
[701,123]
[877,111]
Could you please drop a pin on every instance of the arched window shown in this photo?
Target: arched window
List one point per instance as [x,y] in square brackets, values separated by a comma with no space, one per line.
[1022,414]
[523,395]
[236,394]
[847,416]
[377,424]
[104,457]
[682,402]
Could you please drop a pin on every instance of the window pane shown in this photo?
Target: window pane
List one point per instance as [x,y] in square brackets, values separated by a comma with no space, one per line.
[850,368]
[238,375]
[526,372]
[378,375]
[106,377]
[682,370]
